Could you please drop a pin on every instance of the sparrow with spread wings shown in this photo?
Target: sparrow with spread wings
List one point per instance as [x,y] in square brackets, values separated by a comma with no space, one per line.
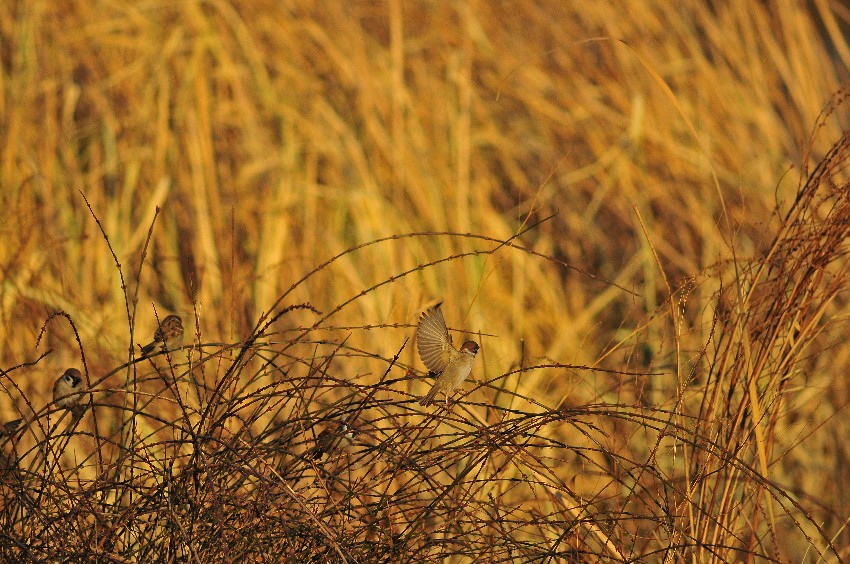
[435,348]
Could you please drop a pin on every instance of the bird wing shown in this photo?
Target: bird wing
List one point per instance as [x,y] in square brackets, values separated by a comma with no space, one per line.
[168,328]
[157,335]
[433,340]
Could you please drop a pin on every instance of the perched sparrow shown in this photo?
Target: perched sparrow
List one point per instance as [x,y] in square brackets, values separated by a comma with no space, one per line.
[336,433]
[437,352]
[169,335]
[63,392]
[10,427]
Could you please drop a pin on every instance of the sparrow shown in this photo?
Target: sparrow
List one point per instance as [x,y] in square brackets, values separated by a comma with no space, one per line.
[10,427]
[337,433]
[64,389]
[169,335]
[435,348]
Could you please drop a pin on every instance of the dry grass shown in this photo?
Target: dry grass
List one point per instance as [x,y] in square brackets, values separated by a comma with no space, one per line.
[639,209]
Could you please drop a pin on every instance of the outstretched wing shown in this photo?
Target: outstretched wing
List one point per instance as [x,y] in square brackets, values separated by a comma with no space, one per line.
[433,341]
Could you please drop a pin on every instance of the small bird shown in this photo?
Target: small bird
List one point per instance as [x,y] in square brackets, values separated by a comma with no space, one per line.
[337,433]
[435,347]
[10,427]
[169,335]
[64,389]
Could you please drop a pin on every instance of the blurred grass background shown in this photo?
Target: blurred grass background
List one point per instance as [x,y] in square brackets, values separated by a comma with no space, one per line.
[274,135]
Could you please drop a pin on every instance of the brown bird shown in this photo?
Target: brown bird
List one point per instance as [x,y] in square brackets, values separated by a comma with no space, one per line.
[10,427]
[435,348]
[68,392]
[169,335]
[337,433]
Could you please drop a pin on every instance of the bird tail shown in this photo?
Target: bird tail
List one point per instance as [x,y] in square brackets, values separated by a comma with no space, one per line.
[429,397]
[146,350]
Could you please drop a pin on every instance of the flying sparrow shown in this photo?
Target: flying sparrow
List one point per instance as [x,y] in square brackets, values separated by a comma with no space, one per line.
[64,389]
[439,355]
[169,335]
